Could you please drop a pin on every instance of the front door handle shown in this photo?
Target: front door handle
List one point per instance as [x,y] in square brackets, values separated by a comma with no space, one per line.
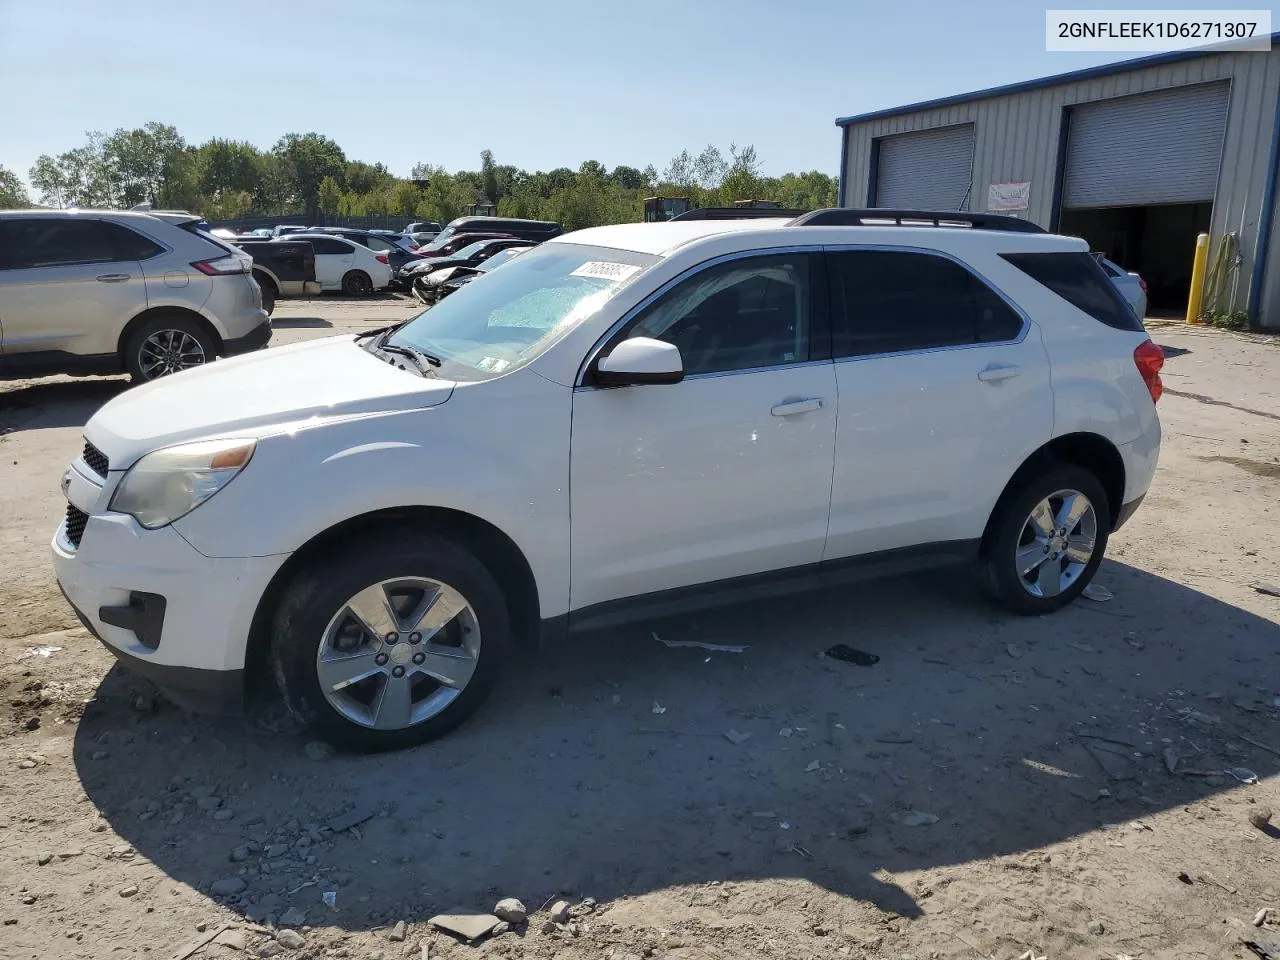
[997,372]
[113,278]
[790,408]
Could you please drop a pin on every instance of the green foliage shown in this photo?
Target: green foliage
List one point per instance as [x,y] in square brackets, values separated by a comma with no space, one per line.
[12,193]
[1233,320]
[305,174]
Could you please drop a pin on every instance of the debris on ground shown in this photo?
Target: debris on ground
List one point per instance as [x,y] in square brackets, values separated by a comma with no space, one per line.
[398,932]
[1268,949]
[1261,916]
[1261,818]
[1097,928]
[352,818]
[733,736]
[1013,650]
[1270,589]
[330,898]
[560,911]
[511,910]
[43,650]
[813,767]
[1243,774]
[1097,593]
[318,750]
[848,654]
[658,708]
[469,926]
[290,939]
[701,645]
[918,818]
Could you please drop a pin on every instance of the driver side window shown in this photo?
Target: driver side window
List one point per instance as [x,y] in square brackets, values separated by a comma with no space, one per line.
[737,315]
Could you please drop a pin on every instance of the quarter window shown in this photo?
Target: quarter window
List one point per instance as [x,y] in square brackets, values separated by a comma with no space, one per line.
[737,315]
[892,301]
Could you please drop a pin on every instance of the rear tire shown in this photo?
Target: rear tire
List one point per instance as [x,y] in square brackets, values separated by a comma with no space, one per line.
[357,283]
[1028,563]
[315,624]
[165,344]
[269,295]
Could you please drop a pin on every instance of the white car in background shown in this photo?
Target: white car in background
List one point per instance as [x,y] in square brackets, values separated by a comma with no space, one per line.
[342,264]
[1131,286]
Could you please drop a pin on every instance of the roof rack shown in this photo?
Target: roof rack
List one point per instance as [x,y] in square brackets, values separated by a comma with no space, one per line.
[737,213]
[842,217]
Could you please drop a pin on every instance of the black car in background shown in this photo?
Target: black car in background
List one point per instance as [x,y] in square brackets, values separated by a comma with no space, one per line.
[415,275]
[438,284]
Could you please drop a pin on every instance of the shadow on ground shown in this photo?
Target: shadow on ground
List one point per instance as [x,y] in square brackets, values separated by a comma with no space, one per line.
[605,770]
[308,322]
[56,403]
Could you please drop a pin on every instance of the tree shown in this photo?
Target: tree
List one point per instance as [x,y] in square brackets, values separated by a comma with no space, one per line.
[404,198]
[710,168]
[629,178]
[364,177]
[742,179]
[329,196]
[306,160]
[50,179]
[489,177]
[12,193]
[680,170]
[139,161]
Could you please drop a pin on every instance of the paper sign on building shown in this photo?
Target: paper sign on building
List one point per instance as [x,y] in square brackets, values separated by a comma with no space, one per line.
[1010,195]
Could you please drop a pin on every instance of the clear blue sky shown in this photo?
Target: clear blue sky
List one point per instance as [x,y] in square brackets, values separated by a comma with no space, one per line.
[542,83]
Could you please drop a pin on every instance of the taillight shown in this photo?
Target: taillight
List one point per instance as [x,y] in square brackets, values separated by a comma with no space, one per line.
[383,258]
[1149,358]
[1143,284]
[223,266]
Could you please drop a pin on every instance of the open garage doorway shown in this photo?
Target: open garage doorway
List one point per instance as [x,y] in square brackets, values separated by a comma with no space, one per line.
[1158,242]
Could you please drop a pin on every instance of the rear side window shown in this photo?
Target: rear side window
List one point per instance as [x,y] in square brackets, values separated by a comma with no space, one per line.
[323,246]
[1078,279]
[50,242]
[891,301]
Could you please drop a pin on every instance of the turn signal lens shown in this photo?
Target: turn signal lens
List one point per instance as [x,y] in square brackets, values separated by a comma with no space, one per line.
[1149,358]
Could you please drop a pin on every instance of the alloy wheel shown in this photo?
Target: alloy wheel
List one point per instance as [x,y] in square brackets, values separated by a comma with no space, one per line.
[398,653]
[169,351]
[1057,542]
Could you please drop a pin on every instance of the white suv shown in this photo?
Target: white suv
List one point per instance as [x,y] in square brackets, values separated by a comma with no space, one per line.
[623,421]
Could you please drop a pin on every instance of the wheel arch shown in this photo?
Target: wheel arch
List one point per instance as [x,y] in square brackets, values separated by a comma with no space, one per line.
[1090,451]
[492,547]
[153,313]
[263,274]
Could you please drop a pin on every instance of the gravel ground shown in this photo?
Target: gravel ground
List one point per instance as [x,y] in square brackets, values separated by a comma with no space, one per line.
[992,785]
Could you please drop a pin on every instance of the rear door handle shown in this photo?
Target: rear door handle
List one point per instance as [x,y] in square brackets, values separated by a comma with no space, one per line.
[995,373]
[113,278]
[790,408]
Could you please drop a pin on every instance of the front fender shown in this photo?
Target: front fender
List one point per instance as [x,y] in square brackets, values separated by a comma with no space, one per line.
[497,450]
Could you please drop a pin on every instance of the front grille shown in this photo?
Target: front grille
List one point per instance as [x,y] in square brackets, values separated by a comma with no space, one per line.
[76,519]
[95,459]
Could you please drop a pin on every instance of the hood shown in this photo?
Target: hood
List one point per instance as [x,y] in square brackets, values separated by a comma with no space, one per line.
[253,394]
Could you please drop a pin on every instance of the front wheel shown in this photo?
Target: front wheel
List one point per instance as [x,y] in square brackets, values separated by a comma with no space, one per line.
[1047,541]
[386,645]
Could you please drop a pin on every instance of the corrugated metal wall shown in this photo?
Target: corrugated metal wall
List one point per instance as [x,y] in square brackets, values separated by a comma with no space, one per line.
[1018,139]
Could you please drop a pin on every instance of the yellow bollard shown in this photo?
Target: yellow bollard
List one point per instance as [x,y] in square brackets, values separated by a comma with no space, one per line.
[1198,268]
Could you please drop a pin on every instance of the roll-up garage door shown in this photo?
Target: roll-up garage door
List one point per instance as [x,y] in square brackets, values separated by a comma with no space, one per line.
[930,170]
[1153,148]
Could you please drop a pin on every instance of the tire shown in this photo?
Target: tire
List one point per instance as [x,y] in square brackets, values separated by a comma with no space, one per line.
[357,283]
[269,295]
[166,344]
[315,618]
[1014,540]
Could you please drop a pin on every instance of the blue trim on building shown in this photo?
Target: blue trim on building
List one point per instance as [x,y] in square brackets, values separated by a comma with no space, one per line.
[1266,223]
[1089,73]
[844,168]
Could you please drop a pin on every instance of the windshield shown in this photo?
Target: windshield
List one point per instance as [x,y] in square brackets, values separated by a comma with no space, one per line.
[470,250]
[442,238]
[507,317]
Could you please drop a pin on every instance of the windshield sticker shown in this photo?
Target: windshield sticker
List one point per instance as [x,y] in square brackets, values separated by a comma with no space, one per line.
[493,364]
[604,270]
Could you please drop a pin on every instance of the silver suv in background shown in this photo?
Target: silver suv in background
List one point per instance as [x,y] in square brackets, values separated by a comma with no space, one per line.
[106,292]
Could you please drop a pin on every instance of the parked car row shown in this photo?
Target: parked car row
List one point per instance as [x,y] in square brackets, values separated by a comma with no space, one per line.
[437,284]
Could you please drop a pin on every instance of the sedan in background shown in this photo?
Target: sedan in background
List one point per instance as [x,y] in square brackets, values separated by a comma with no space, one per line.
[1131,286]
[468,256]
[345,265]
[438,284]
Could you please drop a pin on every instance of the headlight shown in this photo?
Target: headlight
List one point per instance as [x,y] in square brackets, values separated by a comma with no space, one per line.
[170,483]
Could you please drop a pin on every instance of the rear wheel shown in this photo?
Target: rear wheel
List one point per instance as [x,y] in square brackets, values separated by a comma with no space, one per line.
[357,283]
[167,344]
[1047,541]
[269,294]
[386,645]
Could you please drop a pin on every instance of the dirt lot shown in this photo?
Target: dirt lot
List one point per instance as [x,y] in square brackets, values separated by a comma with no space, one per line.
[991,786]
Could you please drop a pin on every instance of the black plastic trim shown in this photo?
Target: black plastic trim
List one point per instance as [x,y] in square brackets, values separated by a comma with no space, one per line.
[764,586]
[607,378]
[255,339]
[143,614]
[737,213]
[1127,511]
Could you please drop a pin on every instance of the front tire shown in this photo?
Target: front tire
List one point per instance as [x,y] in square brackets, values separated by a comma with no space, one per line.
[1045,542]
[357,283]
[384,645]
[167,344]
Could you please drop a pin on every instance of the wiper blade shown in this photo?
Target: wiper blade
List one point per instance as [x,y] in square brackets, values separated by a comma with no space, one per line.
[420,359]
[378,331]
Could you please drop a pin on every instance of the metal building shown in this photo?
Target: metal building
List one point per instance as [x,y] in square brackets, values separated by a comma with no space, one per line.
[1137,157]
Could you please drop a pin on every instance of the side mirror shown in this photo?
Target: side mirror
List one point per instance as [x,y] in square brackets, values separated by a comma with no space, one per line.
[640,360]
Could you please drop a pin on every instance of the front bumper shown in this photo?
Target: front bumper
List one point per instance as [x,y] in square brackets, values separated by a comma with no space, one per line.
[255,339]
[164,609]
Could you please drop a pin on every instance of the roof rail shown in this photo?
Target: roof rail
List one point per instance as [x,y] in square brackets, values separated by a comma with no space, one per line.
[873,216]
[736,213]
